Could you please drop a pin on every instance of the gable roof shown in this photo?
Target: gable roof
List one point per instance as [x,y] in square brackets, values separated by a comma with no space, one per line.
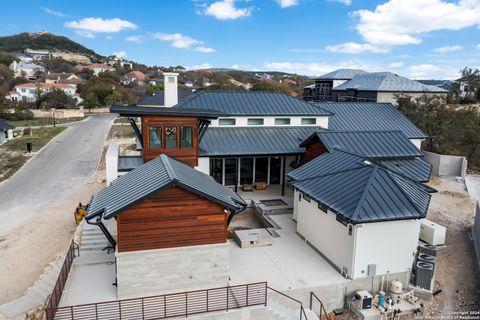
[342,74]
[369,116]
[5,126]
[386,82]
[236,141]
[373,144]
[251,103]
[154,176]
[163,111]
[361,191]
[158,98]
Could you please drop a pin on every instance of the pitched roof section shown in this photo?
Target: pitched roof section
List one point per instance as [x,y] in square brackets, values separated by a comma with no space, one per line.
[373,144]
[363,192]
[251,103]
[162,111]
[386,82]
[415,169]
[360,116]
[342,74]
[158,98]
[154,176]
[236,141]
[5,126]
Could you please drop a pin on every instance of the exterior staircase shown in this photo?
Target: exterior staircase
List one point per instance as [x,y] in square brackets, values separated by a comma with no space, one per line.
[93,240]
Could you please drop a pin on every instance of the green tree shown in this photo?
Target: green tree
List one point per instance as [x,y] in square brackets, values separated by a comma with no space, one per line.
[151,88]
[56,99]
[91,100]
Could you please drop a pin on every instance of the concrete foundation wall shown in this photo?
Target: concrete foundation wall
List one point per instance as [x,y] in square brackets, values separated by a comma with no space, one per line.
[476,232]
[161,271]
[445,165]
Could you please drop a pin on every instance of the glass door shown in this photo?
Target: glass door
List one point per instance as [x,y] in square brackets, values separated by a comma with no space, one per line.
[261,170]
[230,171]
[246,171]
[275,170]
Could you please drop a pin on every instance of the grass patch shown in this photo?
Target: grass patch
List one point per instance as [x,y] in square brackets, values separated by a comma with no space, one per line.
[13,153]
[42,121]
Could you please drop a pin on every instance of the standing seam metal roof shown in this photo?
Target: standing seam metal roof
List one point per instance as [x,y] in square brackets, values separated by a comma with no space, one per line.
[359,116]
[251,103]
[156,175]
[342,74]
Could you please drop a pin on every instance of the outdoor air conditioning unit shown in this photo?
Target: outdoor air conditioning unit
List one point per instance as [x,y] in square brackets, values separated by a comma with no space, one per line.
[432,233]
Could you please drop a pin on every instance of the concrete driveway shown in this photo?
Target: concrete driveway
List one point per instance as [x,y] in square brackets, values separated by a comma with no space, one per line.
[64,165]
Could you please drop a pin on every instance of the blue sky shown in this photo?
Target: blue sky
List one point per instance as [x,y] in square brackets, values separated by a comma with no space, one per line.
[416,38]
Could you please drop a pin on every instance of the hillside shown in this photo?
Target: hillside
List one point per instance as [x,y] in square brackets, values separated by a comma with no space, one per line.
[42,40]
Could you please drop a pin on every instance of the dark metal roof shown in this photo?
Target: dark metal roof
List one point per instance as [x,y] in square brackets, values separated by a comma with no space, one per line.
[359,116]
[373,144]
[416,169]
[342,74]
[128,163]
[386,82]
[5,126]
[156,175]
[235,141]
[251,103]
[158,98]
[132,111]
[362,191]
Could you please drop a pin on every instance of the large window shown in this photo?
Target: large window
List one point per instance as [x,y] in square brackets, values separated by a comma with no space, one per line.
[216,170]
[282,121]
[275,169]
[261,170]
[246,171]
[171,137]
[226,122]
[186,137]
[307,121]
[155,138]
[230,171]
[255,122]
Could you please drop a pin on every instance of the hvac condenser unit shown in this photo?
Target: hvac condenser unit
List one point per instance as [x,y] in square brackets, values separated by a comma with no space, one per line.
[432,233]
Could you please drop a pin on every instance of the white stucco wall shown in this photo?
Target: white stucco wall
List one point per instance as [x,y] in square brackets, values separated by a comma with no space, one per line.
[389,97]
[270,121]
[203,165]
[417,143]
[390,245]
[154,272]
[325,233]
[336,83]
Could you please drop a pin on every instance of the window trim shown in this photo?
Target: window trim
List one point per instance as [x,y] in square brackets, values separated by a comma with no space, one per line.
[160,128]
[180,128]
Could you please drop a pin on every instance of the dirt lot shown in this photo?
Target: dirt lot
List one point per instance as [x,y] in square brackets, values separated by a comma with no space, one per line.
[456,272]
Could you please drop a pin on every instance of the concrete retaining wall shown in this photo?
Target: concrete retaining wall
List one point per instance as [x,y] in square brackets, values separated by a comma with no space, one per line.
[161,271]
[476,232]
[445,165]
[98,110]
[59,113]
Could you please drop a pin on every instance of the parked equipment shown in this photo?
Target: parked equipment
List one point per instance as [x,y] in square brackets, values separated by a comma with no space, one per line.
[396,291]
[79,213]
[432,233]
[363,300]
[428,249]
[424,275]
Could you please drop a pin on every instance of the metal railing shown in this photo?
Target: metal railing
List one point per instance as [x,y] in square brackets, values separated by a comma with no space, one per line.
[303,315]
[322,308]
[169,305]
[56,295]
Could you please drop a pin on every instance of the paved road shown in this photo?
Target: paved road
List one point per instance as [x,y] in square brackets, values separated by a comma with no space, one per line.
[64,165]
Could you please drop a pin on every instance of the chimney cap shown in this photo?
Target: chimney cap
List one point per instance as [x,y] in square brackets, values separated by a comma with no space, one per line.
[170,74]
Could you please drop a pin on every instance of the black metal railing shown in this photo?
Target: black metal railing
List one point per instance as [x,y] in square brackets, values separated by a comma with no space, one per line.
[303,315]
[321,306]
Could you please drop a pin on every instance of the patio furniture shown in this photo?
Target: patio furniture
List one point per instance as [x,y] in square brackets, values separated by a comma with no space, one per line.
[260,186]
[247,187]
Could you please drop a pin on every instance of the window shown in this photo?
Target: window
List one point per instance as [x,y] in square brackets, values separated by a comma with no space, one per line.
[246,171]
[306,121]
[186,137]
[322,207]
[307,198]
[261,170]
[171,137]
[226,122]
[24,90]
[282,121]
[255,122]
[155,138]
[216,170]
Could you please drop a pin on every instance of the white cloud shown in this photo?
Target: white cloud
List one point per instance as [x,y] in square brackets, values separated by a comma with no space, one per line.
[204,49]
[135,39]
[356,48]
[87,27]
[345,2]
[177,40]
[287,3]
[120,54]
[54,12]
[227,10]
[422,71]
[200,66]
[446,49]
[401,22]
[395,65]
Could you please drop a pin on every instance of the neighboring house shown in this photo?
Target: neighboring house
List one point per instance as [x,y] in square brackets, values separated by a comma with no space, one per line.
[28,91]
[206,82]
[466,91]
[25,58]
[6,131]
[381,87]
[13,96]
[157,99]
[321,90]
[66,78]
[27,70]
[97,68]
[155,81]
[38,55]
[137,77]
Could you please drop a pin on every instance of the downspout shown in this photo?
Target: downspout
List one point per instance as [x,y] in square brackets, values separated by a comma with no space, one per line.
[104,229]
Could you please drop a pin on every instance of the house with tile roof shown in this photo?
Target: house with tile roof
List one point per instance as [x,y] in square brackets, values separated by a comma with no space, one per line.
[27,92]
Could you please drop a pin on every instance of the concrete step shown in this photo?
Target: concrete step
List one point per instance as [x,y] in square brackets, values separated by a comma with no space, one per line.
[93,242]
[93,247]
[94,257]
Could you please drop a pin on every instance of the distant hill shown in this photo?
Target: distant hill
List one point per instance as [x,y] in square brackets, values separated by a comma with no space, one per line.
[43,40]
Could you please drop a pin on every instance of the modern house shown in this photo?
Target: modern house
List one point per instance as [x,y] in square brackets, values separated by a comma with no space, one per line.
[6,131]
[38,55]
[64,77]
[381,87]
[97,68]
[27,70]
[321,90]
[28,91]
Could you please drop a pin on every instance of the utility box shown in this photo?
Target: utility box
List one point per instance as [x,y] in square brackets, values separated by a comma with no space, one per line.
[432,233]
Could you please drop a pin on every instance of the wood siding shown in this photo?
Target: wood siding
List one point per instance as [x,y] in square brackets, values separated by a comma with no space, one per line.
[187,155]
[314,149]
[171,218]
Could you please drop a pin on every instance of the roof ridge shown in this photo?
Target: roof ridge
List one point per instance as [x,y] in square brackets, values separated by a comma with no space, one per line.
[403,191]
[364,193]
[168,167]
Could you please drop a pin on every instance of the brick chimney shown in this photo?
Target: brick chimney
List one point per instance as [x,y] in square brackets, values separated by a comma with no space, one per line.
[170,85]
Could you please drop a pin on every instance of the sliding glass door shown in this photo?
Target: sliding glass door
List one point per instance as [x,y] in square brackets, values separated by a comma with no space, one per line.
[246,171]
[230,171]
[275,170]
[261,170]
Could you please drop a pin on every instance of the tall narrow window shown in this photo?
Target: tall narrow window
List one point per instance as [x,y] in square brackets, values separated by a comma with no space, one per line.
[155,138]
[171,137]
[216,170]
[186,137]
